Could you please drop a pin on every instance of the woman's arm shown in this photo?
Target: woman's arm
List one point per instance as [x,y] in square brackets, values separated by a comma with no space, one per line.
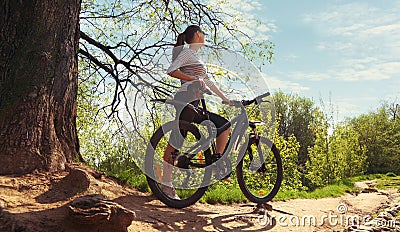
[214,88]
[180,75]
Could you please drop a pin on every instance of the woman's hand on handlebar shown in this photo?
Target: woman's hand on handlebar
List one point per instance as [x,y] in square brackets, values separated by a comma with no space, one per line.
[256,101]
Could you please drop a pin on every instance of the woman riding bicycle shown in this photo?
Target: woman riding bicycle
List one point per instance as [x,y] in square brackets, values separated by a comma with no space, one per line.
[187,67]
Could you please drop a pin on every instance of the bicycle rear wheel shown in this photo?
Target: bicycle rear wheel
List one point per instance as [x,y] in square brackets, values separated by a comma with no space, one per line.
[190,183]
[259,172]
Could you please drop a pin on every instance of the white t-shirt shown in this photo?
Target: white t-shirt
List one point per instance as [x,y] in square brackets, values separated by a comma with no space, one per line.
[188,62]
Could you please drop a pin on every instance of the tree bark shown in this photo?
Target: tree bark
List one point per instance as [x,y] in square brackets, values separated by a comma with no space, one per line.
[38,84]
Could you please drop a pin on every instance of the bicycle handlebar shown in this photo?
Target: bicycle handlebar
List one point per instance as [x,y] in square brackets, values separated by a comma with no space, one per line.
[256,100]
[235,103]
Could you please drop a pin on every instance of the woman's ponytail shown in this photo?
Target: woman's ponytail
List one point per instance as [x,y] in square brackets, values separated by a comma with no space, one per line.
[186,36]
[180,41]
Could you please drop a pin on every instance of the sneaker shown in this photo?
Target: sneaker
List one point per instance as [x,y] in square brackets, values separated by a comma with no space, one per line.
[170,192]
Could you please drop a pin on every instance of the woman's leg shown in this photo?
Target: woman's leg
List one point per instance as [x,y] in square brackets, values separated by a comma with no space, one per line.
[223,131]
[176,138]
[222,140]
[167,164]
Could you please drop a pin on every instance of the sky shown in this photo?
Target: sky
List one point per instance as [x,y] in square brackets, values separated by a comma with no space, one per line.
[343,52]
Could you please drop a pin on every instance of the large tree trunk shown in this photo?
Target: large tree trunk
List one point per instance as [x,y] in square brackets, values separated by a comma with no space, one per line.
[38,84]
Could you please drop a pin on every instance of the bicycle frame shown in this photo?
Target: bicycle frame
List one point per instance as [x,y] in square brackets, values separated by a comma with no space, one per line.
[205,144]
[242,124]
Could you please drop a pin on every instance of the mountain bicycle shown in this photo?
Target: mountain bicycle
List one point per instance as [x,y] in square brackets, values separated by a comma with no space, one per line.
[259,165]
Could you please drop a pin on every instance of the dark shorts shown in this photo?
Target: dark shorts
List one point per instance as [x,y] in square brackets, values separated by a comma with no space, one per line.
[188,115]
[220,122]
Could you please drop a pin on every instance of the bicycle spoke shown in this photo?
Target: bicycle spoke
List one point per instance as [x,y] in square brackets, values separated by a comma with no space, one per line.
[176,186]
[260,172]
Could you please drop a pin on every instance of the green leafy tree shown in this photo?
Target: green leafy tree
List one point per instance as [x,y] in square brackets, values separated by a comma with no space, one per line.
[350,156]
[118,42]
[296,115]
[318,166]
[123,52]
[128,45]
[98,134]
[289,150]
[335,155]
[380,134]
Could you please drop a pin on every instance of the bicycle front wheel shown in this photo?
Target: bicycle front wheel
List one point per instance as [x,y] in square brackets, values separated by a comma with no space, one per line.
[189,183]
[259,172]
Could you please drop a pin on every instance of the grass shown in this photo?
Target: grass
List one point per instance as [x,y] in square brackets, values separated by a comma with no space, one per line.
[333,190]
[387,182]
[228,193]
[224,193]
[133,178]
[140,183]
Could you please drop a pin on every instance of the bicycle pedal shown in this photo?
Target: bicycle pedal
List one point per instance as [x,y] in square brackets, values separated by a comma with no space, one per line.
[262,169]
[182,162]
[175,154]
[216,157]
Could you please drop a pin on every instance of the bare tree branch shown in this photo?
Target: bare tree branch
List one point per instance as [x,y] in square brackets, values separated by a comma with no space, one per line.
[125,43]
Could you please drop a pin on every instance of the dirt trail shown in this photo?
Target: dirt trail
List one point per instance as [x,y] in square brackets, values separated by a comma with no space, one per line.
[291,215]
[31,201]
